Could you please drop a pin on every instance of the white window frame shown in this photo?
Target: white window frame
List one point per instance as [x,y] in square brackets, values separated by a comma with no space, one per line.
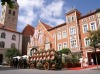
[63,34]
[95,25]
[74,43]
[83,28]
[72,30]
[65,46]
[59,35]
[88,41]
[60,47]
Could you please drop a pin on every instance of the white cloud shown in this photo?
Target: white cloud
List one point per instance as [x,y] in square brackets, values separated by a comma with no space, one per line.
[52,12]
[30,11]
[26,13]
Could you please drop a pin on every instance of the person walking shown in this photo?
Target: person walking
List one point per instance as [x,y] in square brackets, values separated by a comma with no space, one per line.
[86,62]
[81,62]
[92,62]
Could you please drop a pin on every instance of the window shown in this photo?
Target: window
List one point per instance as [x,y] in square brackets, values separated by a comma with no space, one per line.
[85,28]
[87,42]
[65,45]
[91,17]
[59,47]
[59,35]
[9,12]
[54,35]
[83,20]
[72,31]
[47,40]
[93,26]
[3,35]
[13,45]
[72,18]
[64,34]
[68,19]
[13,13]
[2,44]
[13,37]
[73,43]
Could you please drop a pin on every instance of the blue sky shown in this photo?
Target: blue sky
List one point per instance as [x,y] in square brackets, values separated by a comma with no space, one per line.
[50,11]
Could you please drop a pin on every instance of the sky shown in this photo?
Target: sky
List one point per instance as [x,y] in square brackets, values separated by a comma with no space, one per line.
[50,12]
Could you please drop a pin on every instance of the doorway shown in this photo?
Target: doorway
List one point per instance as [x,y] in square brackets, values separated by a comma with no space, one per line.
[1,58]
[92,55]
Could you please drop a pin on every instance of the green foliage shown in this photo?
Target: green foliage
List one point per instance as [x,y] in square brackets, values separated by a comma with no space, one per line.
[65,51]
[9,2]
[75,58]
[12,52]
[94,37]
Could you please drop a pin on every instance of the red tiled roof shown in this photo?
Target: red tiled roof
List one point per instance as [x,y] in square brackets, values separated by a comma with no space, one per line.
[28,30]
[71,11]
[46,26]
[90,13]
[57,26]
[8,29]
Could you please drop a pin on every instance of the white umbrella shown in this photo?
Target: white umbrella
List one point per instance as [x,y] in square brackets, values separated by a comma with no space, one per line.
[18,57]
[25,56]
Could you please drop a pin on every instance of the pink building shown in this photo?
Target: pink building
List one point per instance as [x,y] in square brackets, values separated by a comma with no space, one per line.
[71,34]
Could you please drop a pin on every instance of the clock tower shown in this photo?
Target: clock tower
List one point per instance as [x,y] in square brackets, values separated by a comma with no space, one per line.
[9,16]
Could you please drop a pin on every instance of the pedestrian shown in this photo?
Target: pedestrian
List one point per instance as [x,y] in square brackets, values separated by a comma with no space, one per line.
[92,62]
[81,62]
[86,62]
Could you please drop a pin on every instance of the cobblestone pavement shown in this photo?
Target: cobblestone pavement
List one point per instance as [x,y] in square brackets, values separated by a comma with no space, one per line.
[8,70]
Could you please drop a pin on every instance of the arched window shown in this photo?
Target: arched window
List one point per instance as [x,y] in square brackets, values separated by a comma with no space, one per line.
[13,45]
[9,12]
[47,40]
[2,44]
[3,35]
[13,37]
[13,13]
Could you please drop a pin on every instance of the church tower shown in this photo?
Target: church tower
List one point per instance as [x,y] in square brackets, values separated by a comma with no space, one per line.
[9,16]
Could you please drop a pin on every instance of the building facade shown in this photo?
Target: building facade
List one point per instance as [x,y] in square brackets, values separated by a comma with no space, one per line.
[71,34]
[9,16]
[9,37]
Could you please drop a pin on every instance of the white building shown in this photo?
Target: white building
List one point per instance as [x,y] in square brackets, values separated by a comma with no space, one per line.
[9,37]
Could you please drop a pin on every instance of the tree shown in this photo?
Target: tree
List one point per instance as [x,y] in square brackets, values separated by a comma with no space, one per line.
[9,2]
[65,51]
[94,37]
[12,52]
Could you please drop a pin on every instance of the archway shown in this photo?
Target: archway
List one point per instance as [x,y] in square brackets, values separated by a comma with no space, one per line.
[1,58]
[32,51]
[92,55]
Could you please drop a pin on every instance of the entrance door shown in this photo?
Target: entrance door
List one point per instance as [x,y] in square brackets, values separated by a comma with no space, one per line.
[92,55]
[1,58]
